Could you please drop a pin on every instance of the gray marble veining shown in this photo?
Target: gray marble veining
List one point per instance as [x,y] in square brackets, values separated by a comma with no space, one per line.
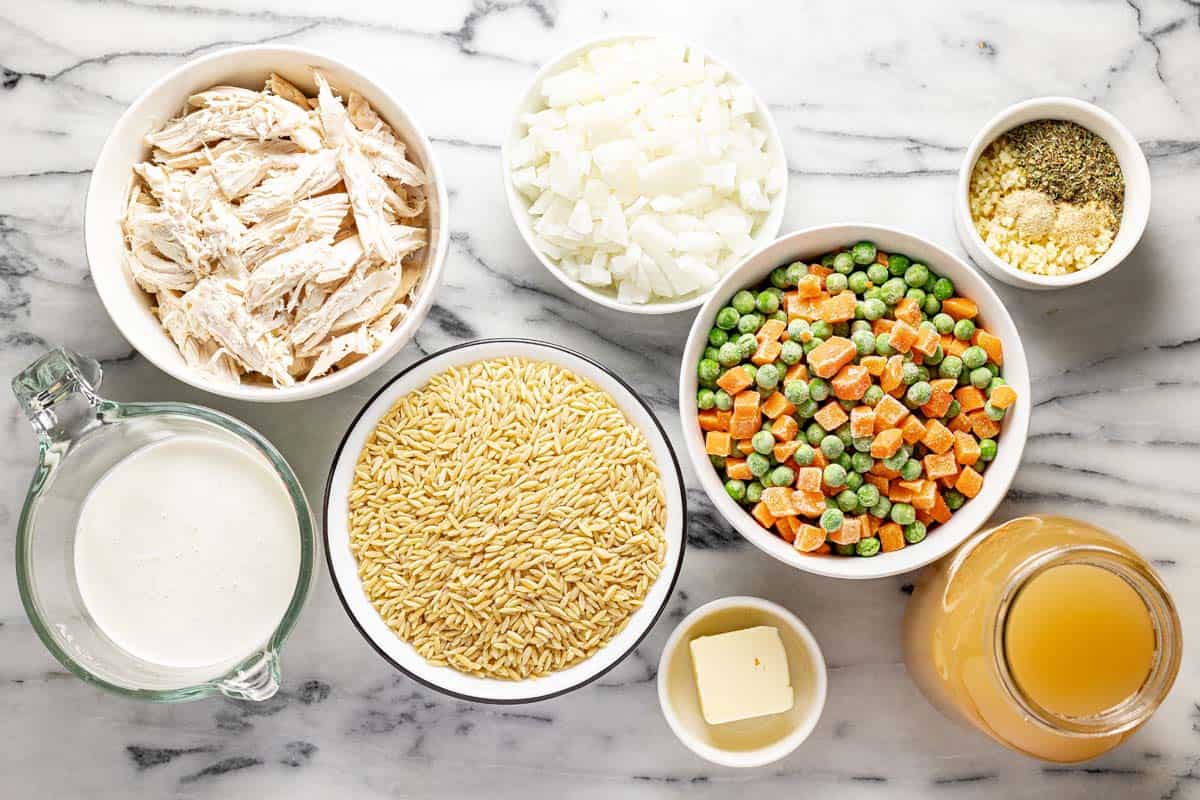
[876,102]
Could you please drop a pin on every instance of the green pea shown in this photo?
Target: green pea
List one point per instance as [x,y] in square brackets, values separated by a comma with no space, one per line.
[746,344]
[954,500]
[853,481]
[864,342]
[767,302]
[749,323]
[708,370]
[847,501]
[953,410]
[914,532]
[796,329]
[804,455]
[813,344]
[867,547]
[916,295]
[729,354]
[873,395]
[796,392]
[743,302]
[943,289]
[911,470]
[863,252]
[832,446]
[987,449]
[843,263]
[780,316]
[795,272]
[705,399]
[727,318]
[717,337]
[768,376]
[909,373]
[735,489]
[858,282]
[903,514]
[835,475]
[994,413]
[994,382]
[717,461]
[931,305]
[882,508]
[868,495]
[919,393]
[883,344]
[861,462]
[892,291]
[711,354]
[818,389]
[877,273]
[944,323]
[779,277]
[980,378]
[896,460]
[722,400]
[841,329]
[951,367]
[898,264]
[936,358]
[754,491]
[791,352]
[874,308]
[827,260]
[975,356]
[964,329]
[822,329]
[831,519]
[783,476]
[807,409]
[861,444]
[758,464]
[814,433]
[762,442]
[860,325]
[916,275]
[836,283]
[843,549]
[871,293]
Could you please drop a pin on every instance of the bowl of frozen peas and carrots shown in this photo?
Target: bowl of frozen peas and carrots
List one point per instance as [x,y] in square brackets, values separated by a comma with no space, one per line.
[855,400]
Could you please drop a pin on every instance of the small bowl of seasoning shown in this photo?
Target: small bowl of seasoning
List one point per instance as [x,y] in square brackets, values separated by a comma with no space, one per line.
[1053,192]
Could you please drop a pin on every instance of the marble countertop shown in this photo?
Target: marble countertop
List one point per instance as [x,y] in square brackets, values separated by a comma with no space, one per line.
[876,102]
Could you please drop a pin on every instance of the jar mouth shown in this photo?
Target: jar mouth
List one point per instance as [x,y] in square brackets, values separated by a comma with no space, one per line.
[1139,706]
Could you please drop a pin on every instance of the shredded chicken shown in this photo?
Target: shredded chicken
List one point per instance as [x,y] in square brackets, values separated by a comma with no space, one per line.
[280,235]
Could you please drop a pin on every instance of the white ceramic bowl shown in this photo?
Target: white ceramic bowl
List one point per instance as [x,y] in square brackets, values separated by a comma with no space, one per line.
[532,101]
[751,742]
[344,569]
[129,306]
[1137,189]
[810,244]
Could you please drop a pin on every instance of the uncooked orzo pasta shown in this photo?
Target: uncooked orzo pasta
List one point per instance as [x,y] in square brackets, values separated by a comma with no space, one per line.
[507,518]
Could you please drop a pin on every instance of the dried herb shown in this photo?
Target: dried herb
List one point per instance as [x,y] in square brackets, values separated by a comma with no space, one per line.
[1069,163]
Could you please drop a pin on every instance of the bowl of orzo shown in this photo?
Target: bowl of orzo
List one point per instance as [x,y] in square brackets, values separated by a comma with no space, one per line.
[504,520]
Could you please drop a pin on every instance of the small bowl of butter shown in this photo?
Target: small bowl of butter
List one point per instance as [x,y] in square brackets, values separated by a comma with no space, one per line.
[742,681]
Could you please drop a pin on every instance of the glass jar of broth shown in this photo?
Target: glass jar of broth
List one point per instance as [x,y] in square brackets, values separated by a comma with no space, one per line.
[1049,635]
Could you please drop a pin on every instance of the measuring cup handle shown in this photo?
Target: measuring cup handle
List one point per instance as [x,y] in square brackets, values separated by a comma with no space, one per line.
[256,679]
[58,394]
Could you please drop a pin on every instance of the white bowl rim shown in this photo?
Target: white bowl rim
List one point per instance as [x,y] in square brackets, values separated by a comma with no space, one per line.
[997,126]
[519,208]
[762,755]
[671,483]
[332,382]
[882,565]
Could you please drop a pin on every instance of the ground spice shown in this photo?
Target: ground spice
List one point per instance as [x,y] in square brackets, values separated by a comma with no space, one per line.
[1069,162]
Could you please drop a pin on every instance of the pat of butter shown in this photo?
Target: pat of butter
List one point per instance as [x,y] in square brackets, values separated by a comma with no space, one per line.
[741,674]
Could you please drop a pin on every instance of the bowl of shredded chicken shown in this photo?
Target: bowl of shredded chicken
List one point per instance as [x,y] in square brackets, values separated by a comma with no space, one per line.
[266,223]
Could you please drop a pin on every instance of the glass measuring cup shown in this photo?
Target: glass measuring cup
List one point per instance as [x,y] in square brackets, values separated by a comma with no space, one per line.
[80,436]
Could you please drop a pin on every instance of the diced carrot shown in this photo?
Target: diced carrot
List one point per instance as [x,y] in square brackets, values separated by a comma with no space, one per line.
[890,378]
[1003,396]
[808,479]
[785,428]
[766,352]
[746,403]
[939,403]
[874,364]
[927,341]
[819,459]
[940,465]
[969,398]
[805,308]
[940,511]
[948,481]
[809,287]
[763,515]
[796,372]
[912,430]
[734,380]
[886,443]
[917,358]
[744,427]
[960,308]
[771,330]
[982,425]
[925,498]
[991,345]
[809,538]
[908,311]
[969,482]
[889,411]
[849,533]
[851,382]
[784,450]
[738,468]
[831,355]
[879,482]
[776,404]
[891,537]
[711,420]
[809,504]
[966,449]
[862,421]
[870,524]
[902,337]
[959,422]
[820,270]
[938,437]
[745,446]
[947,385]
[901,492]
[787,528]
[923,517]
[882,325]
[839,308]
[717,443]
[831,416]
[778,500]
[952,346]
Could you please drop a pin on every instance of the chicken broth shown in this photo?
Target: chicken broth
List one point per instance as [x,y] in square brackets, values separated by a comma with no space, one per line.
[187,553]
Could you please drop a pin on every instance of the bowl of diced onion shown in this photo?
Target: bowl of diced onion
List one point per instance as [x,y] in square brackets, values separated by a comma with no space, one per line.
[639,170]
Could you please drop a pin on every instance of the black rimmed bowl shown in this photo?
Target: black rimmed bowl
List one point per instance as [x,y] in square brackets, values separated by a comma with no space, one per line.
[344,568]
